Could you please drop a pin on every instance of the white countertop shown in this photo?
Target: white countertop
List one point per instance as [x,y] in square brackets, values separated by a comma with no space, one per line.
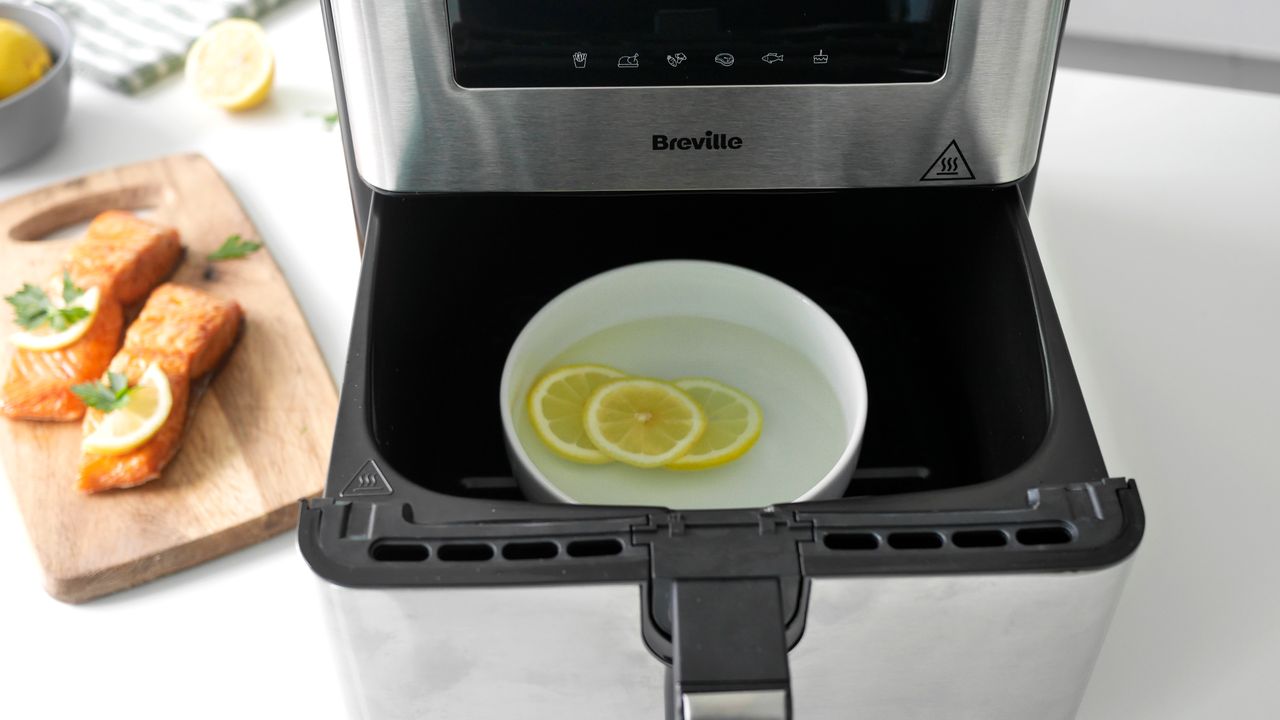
[1159,223]
[1157,215]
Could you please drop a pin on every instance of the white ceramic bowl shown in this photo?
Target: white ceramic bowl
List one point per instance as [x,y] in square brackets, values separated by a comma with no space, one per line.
[685,288]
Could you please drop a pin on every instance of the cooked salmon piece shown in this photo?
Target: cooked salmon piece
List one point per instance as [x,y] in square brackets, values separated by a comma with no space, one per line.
[124,257]
[38,384]
[143,463]
[186,333]
[188,324]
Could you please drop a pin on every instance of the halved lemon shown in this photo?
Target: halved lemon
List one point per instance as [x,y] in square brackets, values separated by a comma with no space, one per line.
[231,65]
[643,422]
[44,338]
[556,403]
[123,430]
[734,422]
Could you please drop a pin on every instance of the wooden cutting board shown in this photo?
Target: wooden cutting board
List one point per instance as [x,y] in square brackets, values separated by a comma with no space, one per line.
[258,439]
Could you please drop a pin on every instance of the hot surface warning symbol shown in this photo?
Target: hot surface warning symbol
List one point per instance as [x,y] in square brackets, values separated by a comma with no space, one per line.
[369,481]
[950,165]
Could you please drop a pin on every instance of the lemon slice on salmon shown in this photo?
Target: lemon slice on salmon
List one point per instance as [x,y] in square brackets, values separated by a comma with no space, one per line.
[556,403]
[643,422]
[734,422]
[45,338]
[119,431]
[231,65]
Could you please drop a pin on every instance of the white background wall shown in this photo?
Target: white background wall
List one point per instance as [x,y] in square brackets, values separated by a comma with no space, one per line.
[1231,27]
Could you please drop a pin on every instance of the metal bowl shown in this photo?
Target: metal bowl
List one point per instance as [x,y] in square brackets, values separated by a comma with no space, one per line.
[32,119]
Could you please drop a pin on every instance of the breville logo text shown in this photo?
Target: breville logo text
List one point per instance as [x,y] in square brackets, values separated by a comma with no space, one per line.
[708,141]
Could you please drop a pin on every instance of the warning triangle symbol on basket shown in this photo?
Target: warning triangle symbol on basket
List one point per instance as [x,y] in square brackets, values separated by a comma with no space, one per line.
[369,481]
[950,165]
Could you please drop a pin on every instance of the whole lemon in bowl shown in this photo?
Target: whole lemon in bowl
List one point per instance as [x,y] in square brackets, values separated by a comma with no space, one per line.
[35,80]
[23,58]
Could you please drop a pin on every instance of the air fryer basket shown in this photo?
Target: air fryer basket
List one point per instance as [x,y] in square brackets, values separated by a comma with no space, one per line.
[978,455]
[938,307]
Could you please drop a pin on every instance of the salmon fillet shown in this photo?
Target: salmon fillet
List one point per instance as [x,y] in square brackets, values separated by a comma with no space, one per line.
[186,333]
[190,325]
[143,463]
[124,256]
[38,384]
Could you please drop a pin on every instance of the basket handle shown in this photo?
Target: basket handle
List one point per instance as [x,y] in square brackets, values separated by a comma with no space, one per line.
[730,651]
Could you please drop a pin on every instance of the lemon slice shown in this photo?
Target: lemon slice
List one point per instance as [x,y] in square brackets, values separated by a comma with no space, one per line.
[556,403]
[44,339]
[734,422]
[231,65]
[132,425]
[643,422]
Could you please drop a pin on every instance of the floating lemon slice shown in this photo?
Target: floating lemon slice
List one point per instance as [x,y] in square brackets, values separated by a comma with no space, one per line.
[642,422]
[123,430]
[734,422]
[556,403]
[45,339]
[231,65]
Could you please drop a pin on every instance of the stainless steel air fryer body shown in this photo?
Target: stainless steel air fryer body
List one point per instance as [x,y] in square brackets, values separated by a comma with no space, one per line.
[1005,646]
[973,566]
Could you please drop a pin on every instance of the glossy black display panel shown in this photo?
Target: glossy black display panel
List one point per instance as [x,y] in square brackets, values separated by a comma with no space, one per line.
[598,43]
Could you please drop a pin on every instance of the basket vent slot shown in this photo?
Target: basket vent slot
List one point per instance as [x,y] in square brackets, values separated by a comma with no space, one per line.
[915,540]
[594,548]
[465,552]
[544,550]
[1052,535]
[979,538]
[399,552]
[851,541]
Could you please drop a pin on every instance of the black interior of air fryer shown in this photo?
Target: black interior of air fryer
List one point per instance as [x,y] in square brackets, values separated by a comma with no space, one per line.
[930,285]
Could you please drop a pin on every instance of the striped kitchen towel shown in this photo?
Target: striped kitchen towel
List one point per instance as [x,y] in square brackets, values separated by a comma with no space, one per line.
[129,44]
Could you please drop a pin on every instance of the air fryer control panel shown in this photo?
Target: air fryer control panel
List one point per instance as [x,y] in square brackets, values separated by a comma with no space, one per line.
[653,95]
[586,43]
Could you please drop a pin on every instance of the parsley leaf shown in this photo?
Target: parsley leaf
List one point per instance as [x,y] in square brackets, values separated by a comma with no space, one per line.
[234,247]
[107,397]
[64,318]
[329,119]
[33,308]
[30,305]
[69,291]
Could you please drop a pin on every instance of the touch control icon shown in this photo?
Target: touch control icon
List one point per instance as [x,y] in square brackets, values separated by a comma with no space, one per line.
[579,59]
[629,61]
[772,58]
[724,59]
[821,58]
[677,59]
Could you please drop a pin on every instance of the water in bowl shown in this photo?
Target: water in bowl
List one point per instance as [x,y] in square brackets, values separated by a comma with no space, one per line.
[804,429]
